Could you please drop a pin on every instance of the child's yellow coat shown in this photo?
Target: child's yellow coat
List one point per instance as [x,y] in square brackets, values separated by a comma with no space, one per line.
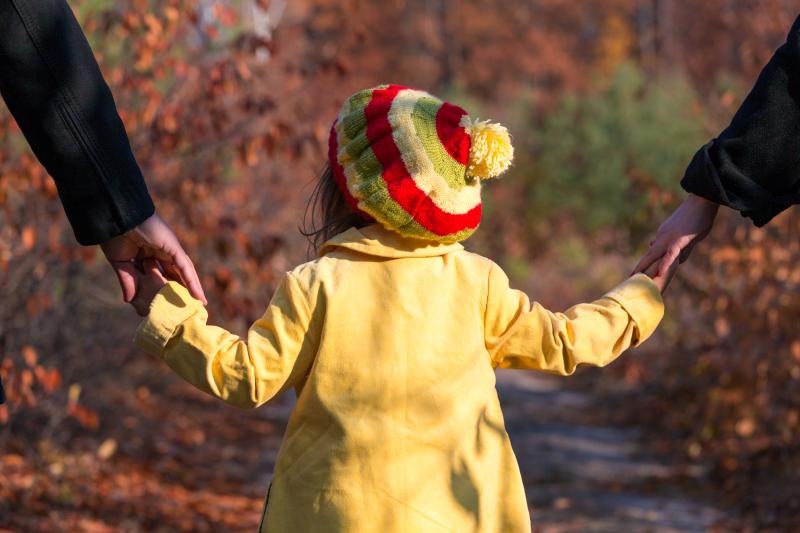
[391,345]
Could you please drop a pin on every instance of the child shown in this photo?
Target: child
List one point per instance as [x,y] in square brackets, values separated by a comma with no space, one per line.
[391,337]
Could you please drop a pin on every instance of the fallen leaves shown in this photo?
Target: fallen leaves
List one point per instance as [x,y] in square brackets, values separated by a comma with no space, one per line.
[107,449]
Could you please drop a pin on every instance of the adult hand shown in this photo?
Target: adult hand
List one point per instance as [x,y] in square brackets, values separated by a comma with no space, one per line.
[154,239]
[679,234]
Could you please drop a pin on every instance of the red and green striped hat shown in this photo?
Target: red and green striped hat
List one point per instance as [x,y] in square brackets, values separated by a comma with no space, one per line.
[414,163]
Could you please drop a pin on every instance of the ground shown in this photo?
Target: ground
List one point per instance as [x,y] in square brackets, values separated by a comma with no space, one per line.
[177,460]
[584,475]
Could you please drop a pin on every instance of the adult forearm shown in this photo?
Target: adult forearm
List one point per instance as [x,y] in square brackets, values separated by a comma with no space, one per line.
[56,92]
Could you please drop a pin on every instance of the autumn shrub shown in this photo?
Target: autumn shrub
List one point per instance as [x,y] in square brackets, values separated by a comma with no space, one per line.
[612,157]
[197,124]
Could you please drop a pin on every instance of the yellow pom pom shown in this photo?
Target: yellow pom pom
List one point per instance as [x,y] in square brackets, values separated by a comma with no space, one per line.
[490,151]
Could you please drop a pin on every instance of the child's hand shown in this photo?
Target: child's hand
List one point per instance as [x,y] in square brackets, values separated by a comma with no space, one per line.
[663,280]
[149,283]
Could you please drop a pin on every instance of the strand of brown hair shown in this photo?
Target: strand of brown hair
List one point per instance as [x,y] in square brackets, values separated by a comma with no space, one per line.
[327,213]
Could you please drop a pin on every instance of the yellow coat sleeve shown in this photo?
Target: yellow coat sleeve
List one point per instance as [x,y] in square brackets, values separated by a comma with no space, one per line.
[276,354]
[521,334]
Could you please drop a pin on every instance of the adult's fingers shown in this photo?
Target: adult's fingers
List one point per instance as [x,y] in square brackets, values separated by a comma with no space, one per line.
[189,275]
[179,266]
[160,241]
[669,258]
[126,275]
[655,251]
[669,274]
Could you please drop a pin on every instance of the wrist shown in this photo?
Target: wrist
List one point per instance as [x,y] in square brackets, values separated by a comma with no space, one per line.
[701,203]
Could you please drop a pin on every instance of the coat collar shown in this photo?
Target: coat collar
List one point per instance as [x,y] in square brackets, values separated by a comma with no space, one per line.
[376,241]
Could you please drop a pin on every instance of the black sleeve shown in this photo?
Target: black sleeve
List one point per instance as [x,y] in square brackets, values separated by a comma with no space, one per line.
[55,91]
[754,164]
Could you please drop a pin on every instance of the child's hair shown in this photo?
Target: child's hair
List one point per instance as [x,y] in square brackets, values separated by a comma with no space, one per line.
[327,212]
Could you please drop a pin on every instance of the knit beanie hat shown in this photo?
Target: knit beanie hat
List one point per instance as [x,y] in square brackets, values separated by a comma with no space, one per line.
[415,163]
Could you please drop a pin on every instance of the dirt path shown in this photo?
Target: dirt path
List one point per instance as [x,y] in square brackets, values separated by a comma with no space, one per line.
[583,476]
